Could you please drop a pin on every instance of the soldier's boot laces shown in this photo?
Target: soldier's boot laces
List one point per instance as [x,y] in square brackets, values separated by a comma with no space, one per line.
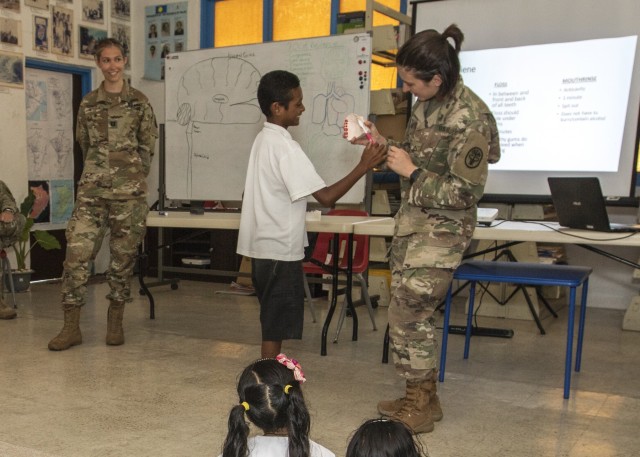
[415,411]
[115,332]
[6,312]
[70,334]
[390,407]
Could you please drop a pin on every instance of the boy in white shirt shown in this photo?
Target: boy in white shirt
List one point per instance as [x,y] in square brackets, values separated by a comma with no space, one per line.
[280,177]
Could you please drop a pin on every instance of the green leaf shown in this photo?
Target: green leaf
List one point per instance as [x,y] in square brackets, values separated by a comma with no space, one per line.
[27,204]
[46,240]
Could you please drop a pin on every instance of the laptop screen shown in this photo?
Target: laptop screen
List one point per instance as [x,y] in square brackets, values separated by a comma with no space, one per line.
[579,203]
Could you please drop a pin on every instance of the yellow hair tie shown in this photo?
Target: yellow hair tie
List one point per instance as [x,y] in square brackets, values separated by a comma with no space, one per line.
[286,389]
[246,405]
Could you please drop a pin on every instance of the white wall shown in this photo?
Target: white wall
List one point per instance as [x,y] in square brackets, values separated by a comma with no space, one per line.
[155,89]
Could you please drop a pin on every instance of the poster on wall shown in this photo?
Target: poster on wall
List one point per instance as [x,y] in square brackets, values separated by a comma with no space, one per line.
[62,31]
[93,11]
[50,144]
[122,33]
[121,9]
[11,69]
[10,31]
[165,32]
[11,5]
[42,4]
[41,35]
[89,37]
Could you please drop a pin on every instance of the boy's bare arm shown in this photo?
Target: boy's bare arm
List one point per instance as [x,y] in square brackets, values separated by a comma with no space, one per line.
[373,155]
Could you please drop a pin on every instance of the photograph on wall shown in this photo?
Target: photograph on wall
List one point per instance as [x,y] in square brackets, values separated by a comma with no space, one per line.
[41,35]
[165,32]
[11,69]
[93,11]
[89,38]
[11,5]
[10,31]
[41,211]
[122,33]
[42,4]
[62,31]
[121,9]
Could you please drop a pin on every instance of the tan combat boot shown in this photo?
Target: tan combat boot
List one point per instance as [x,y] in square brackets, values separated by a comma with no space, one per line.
[434,401]
[390,407]
[115,332]
[6,312]
[70,334]
[415,411]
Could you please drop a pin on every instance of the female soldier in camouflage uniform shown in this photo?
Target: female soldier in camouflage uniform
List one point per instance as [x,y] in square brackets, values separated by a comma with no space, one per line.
[443,162]
[11,225]
[117,130]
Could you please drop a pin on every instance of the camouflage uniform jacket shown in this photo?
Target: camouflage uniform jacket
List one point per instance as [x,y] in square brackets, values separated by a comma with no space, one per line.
[117,136]
[452,141]
[6,199]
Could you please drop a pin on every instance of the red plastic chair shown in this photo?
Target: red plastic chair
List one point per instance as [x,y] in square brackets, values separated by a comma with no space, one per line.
[322,256]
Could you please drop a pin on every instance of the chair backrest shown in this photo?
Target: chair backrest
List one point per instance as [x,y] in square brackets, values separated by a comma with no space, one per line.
[323,244]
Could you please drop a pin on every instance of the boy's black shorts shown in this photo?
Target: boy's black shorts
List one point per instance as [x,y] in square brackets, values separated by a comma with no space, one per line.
[280,289]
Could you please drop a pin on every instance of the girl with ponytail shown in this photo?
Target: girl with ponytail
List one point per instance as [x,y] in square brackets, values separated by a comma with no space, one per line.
[270,398]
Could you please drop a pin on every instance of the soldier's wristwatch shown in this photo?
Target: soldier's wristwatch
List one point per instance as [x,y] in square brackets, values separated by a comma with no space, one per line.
[416,173]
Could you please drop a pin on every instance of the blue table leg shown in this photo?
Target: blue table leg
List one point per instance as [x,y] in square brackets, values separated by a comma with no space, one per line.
[445,334]
[467,335]
[583,313]
[567,363]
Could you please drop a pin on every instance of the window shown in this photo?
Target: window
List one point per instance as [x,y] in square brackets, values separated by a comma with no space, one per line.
[238,22]
[294,19]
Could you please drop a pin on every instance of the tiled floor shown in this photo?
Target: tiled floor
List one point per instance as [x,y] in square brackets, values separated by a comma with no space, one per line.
[168,390]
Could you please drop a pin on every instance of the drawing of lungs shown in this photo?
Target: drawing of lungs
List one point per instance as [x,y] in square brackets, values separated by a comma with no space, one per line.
[330,109]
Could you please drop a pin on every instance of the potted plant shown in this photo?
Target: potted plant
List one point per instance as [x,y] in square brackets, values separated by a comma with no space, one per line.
[22,247]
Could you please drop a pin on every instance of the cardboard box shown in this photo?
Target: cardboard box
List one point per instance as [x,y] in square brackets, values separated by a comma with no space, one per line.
[387,101]
[385,38]
[392,126]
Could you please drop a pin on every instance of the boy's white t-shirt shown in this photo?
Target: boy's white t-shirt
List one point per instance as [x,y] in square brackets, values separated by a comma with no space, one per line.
[280,177]
[278,446]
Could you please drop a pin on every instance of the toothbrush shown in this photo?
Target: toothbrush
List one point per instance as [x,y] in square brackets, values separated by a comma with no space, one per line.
[366,130]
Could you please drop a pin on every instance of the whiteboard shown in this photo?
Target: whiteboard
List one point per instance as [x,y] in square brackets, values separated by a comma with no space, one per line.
[212,112]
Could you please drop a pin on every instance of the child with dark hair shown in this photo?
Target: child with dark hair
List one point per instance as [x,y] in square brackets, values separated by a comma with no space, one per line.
[280,178]
[384,438]
[270,397]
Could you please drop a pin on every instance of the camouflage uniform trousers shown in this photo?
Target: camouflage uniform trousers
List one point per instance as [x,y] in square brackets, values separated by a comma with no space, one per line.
[415,294]
[11,231]
[126,221]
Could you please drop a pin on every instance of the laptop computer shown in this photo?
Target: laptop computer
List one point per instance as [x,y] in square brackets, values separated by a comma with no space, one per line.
[579,204]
